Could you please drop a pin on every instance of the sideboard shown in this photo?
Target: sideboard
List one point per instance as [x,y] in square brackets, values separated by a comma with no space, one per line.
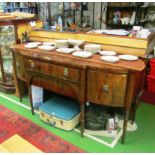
[87,80]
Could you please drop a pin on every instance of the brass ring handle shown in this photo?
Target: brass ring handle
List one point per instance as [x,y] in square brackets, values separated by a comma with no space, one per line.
[105,88]
[66,72]
[32,64]
[17,64]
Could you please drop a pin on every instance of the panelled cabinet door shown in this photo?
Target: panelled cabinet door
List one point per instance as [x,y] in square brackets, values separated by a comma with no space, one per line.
[20,68]
[106,88]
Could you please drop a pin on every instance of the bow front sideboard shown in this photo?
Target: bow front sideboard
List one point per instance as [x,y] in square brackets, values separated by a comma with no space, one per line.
[87,80]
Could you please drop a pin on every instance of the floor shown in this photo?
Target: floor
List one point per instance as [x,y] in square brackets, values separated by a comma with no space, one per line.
[21,146]
[139,141]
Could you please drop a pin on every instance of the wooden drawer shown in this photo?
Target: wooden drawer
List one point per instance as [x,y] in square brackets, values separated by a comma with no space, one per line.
[61,72]
[106,88]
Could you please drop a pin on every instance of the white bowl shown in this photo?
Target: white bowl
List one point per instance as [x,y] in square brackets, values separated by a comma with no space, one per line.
[128,57]
[65,50]
[30,45]
[110,53]
[46,48]
[82,54]
[61,43]
[48,43]
[110,59]
[92,48]
[76,43]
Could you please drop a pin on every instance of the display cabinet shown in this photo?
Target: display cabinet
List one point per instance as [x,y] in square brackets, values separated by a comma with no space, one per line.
[11,31]
[7,38]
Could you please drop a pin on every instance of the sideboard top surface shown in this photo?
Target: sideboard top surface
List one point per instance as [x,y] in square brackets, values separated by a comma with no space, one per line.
[93,62]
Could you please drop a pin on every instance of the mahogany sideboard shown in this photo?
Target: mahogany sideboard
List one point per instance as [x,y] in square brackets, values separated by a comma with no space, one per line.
[87,80]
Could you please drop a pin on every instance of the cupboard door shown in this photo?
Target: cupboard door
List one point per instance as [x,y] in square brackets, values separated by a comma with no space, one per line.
[106,88]
[20,66]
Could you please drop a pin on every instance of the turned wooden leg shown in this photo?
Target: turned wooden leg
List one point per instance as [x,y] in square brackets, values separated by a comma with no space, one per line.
[31,102]
[125,125]
[133,114]
[30,92]
[82,120]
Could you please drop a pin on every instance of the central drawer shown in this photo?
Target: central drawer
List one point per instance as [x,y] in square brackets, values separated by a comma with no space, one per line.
[57,71]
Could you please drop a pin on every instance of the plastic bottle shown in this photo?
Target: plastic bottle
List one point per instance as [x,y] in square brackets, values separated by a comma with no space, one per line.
[60,23]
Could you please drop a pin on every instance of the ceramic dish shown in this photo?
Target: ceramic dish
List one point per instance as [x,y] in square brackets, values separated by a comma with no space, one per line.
[30,45]
[48,43]
[92,48]
[82,54]
[110,53]
[65,50]
[128,57]
[76,43]
[110,59]
[61,43]
[34,43]
[46,48]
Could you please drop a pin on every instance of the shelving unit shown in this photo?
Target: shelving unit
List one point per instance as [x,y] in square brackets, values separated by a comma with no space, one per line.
[20,6]
[79,13]
[125,10]
[70,15]
[148,11]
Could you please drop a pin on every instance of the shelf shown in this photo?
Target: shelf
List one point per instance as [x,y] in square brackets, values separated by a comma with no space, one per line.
[18,8]
[112,24]
[121,7]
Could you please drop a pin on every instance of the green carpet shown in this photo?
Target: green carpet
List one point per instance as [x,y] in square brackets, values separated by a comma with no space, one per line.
[142,140]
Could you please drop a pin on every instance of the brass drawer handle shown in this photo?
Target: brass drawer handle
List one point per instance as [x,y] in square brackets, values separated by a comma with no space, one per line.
[17,64]
[32,64]
[106,88]
[66,72]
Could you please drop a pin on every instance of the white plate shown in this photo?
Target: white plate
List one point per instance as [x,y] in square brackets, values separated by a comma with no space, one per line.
[46,48]
[117,32]
[30,45]
[65,50]
[128,57]
[82,54]
[34,43]
[110,53]
[48,43]
[110,59]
